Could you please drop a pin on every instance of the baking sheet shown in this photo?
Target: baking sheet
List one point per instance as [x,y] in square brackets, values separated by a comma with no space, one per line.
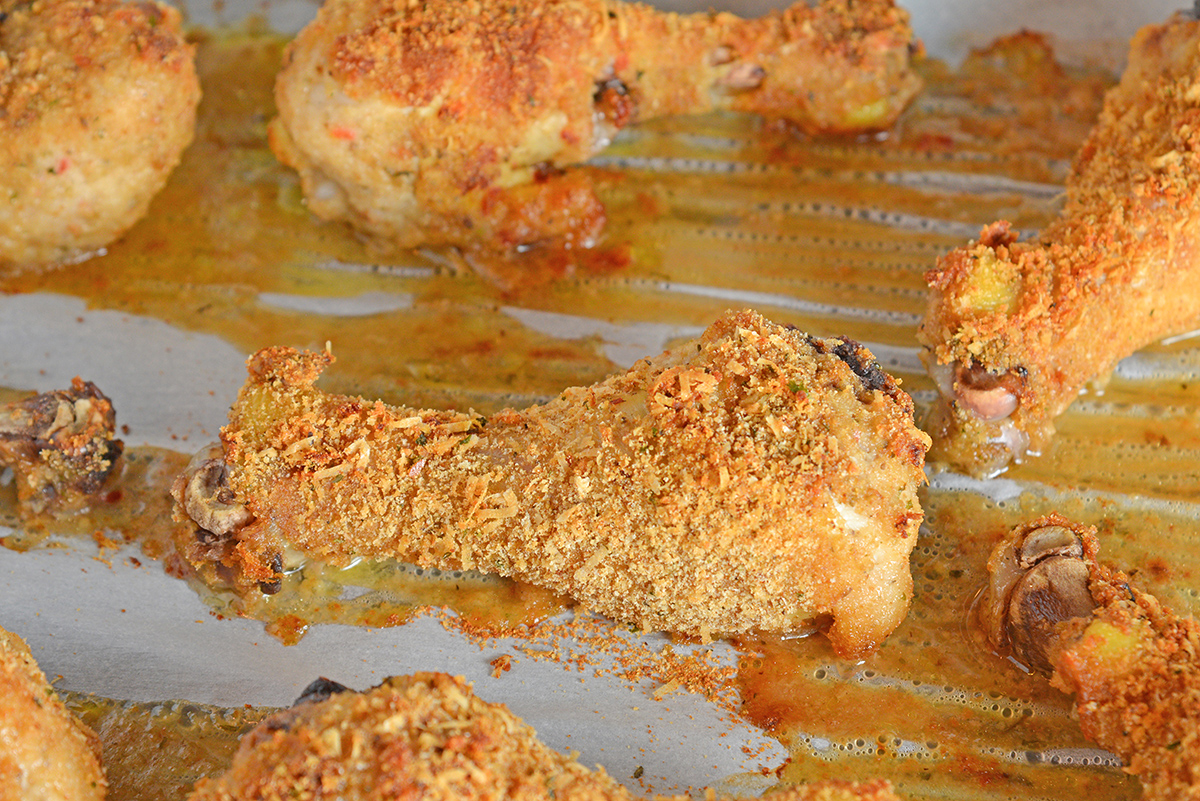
[123,631]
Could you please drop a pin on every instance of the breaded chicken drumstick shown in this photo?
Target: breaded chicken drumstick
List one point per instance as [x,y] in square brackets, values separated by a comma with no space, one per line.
[754,479]
[426,736]
[450,122]
[1015,329]
[1133,666]
[97,103]
[46,753]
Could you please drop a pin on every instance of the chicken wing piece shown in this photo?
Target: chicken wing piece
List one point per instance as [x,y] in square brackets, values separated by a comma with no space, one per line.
[46,753]
[754,479]
[61,446]
[1015,329]
[1133,666]
[425,736]
[443,122]
[97,103]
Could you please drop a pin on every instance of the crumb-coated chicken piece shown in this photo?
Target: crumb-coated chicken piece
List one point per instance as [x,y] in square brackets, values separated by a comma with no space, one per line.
[46,753]
[61,446]
[1132,665]
[445,122]
[755,479]
[1015,329]
[426,736]
[97,104]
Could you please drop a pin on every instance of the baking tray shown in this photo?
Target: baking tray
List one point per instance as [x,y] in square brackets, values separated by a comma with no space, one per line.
[740,216]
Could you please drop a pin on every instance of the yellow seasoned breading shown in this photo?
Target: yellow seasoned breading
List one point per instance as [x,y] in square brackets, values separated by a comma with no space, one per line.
[444,122]
[427,736]
[46,754]
[754,479]
[1015,329]
[97,103]
[1133,666]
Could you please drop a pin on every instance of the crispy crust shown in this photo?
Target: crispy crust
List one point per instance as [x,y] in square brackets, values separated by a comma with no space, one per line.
[97,103]
[1115,272]
[45,752]
[427,736]
[410,120]
[755,479]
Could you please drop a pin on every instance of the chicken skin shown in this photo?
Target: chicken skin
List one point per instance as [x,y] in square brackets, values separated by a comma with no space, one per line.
[426,736]
[1133,666]
[46,753]
[754,479]
[97,103]
[1015,329]
[426,123]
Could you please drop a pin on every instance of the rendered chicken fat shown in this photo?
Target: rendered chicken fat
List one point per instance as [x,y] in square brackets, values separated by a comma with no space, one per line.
[754,480]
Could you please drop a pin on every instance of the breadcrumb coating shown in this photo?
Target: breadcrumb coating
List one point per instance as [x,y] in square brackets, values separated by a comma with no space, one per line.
[756,479]
[450,122]
[1134,668]
[46,753]
[97,103]
[427,736]
[1015,329]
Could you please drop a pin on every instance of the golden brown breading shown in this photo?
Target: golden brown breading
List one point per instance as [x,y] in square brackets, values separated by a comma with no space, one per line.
[45,752]
[449,122]
[1133,666]
[426,736]
[1015,329]
[61,446]
[754,479]
[97,103]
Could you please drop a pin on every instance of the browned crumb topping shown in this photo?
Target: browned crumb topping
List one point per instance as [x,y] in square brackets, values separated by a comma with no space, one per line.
[46,45]
[428,736]
[61,446]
